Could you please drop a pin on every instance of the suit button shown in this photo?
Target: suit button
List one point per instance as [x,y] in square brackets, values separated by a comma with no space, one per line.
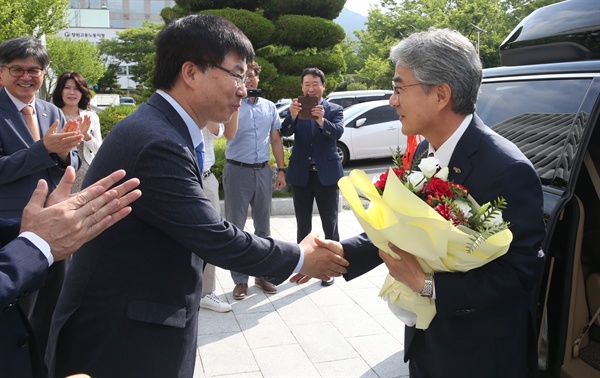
[23,341]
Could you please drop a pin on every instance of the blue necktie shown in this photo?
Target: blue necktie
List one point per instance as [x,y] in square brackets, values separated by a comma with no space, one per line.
[200,156]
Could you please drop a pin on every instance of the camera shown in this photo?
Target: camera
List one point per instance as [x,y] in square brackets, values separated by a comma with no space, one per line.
[254,92]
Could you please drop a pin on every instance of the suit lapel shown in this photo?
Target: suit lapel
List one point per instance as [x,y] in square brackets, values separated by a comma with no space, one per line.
[14,118]
[460,166]
[43,120]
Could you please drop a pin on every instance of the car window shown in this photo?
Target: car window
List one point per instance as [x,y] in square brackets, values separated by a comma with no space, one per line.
[378,115]
[343,102]
[544,118]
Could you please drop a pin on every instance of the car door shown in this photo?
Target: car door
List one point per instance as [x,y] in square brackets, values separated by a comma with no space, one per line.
[373,132]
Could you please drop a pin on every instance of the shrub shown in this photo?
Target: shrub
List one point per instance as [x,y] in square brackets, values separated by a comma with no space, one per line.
[111,115]
[257,28]
[304,31]
[329,10]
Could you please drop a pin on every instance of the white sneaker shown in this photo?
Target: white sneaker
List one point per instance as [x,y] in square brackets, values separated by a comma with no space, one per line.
[211,302]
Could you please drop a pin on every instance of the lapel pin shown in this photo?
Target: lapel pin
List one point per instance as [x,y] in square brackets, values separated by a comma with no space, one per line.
[44,115]
[456,170]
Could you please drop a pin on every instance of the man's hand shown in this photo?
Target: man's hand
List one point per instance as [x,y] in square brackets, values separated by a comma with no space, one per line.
[70,221]
[323,259]
[61,143]
[406,269]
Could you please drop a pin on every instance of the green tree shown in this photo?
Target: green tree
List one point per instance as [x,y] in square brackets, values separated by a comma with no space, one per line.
[134,45]
[395,20]
[288,35]
[32,18]
[74,55]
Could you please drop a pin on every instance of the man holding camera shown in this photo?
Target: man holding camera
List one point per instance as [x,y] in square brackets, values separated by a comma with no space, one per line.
[247,176]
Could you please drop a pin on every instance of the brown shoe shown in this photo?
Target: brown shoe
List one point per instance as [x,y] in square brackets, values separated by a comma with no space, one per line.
[266,286]
[240,291]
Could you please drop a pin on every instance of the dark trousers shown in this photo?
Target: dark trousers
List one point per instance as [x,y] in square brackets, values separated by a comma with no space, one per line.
[327,198]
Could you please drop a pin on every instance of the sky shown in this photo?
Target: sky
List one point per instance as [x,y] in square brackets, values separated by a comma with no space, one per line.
[360,6]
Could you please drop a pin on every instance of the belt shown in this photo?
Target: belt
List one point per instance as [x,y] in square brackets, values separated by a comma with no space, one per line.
[206,174]
[313,168]
[245,165]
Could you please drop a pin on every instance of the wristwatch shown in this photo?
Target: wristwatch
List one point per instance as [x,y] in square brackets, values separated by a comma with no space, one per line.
[282,170]
[428,286]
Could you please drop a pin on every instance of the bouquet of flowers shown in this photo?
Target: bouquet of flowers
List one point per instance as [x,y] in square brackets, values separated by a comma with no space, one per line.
[435,220]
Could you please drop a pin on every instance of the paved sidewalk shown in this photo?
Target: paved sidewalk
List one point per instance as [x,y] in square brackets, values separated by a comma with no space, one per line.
[344,330]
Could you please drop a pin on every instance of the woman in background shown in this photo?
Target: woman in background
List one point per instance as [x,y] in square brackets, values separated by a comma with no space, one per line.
[73,97]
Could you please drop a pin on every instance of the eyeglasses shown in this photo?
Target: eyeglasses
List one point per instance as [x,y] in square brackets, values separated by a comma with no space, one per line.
[16,71]
[240,80]
[398,88]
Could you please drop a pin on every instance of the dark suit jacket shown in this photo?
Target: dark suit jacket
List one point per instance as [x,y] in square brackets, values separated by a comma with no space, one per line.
[23,269]
[130,302]
[485,323]
[315,142]
[22,161]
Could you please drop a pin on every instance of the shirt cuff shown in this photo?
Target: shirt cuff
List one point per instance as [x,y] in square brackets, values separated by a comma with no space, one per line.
[300,260]
[40,244]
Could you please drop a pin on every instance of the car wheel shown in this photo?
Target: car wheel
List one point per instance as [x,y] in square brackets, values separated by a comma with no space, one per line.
[343,153]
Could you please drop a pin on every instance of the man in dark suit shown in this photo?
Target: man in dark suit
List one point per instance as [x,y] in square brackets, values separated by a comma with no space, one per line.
[315,166]
[45,235]
[32,147]
[484,326]
[130,302]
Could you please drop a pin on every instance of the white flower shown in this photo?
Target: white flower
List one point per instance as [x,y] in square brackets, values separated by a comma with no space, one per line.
[415,181]
[494,220]
[429,166]
[465,207]
[443,174]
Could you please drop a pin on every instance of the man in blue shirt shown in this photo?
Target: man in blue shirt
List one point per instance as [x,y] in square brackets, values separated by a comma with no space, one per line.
[247,175]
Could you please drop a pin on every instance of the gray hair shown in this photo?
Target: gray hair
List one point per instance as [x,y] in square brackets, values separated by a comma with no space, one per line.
[23,48]
[439,56]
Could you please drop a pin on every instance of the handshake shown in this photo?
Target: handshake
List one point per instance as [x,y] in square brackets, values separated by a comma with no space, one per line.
[323,259]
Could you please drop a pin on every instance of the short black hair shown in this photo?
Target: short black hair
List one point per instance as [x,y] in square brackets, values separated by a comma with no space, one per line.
[22,48]
[202,39]
[313,71]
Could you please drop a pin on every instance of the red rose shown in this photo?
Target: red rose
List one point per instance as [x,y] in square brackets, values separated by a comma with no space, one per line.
[439,188]
[380,183]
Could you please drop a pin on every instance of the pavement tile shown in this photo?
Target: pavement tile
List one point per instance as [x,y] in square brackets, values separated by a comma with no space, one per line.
[383,353]
[284,361]
[265,329]
[350,368]
[298,309]
[226,353]
[352,320]
[322,342]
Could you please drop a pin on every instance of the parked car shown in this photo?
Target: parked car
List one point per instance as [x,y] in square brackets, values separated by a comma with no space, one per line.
[282,102]
[371,130]
[349,98]
[127,101]
[546,99]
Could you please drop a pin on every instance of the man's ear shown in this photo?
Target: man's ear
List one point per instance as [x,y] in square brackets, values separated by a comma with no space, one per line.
[189,71]
[443,93]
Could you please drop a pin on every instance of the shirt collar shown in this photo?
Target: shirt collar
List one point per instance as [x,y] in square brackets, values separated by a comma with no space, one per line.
[193,128]
[444,153]
[20,104]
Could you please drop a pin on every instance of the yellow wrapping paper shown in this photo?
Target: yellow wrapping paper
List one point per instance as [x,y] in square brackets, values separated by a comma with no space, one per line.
[399,216]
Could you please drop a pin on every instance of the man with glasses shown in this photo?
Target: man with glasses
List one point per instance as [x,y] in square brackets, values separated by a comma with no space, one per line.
[130,301]
[485,322]
[247,176]
[33,146]
[315,166]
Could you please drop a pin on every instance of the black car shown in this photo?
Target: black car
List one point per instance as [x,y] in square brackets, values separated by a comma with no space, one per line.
[546,99]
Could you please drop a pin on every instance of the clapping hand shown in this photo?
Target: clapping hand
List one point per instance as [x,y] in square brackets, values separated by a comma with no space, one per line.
[62,142]
[69,221]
